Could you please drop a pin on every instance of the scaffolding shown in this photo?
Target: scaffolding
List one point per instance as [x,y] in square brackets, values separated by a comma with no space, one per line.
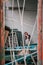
[21,20]
[12,53]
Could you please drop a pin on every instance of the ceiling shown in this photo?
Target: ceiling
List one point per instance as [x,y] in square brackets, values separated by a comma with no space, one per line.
[29,4]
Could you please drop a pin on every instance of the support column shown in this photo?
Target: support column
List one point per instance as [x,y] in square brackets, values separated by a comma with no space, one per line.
[40,42]
[1,34]
[42,32]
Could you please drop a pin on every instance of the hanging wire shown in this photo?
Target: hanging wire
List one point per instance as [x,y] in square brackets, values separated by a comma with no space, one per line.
[8,37]
[22,30]
[33,29]
[12,36]
[21,19]
[31,38]
[12,32]
[12,42]
[33,60]
[10,48]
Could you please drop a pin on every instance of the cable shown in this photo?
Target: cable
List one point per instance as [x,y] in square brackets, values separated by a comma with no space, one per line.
[12,36]
[21,20]
[10,47]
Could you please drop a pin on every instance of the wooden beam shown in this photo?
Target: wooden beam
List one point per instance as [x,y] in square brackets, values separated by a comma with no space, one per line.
[42,32]
[2,61]
[40,42]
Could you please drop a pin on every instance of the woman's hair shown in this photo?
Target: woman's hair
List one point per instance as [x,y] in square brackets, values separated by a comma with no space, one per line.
[29,37]
[26,34]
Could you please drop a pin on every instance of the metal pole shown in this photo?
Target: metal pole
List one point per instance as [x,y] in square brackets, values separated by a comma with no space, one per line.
[2,61]
[40,48]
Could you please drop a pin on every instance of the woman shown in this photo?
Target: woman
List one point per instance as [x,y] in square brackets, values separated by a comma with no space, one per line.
[27,39]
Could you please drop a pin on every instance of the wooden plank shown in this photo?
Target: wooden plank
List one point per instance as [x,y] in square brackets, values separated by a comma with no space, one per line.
[42,31]
[40,48]
[1,34]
